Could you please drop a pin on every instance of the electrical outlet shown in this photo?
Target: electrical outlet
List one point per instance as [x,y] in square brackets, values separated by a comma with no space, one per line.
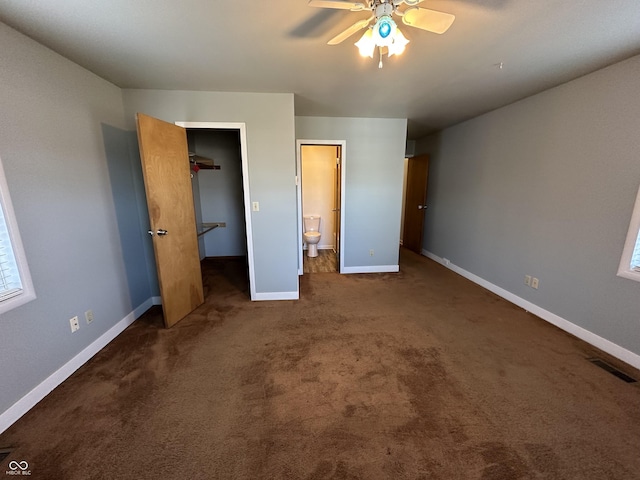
[75,325]
[88,315]
[527,280]
[535,282]
[256,206]
[371,252]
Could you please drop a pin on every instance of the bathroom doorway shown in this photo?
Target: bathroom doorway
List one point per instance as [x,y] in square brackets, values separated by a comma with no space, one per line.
[320,183]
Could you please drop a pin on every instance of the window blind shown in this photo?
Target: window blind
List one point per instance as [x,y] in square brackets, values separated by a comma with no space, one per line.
[10,284]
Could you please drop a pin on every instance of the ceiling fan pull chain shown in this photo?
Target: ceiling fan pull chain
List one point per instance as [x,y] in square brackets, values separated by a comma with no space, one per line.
[380,63]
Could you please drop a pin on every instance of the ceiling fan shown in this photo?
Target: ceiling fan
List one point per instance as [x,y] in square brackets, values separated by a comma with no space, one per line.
[384,33]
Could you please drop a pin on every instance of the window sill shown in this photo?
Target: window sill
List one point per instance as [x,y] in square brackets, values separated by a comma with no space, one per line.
[630,274]
[25,297]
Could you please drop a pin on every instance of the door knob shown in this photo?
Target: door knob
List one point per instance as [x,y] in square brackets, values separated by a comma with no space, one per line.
[161,232]
[150,232]
[420,207]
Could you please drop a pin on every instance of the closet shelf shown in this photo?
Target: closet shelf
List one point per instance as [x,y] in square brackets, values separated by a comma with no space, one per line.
[203,163]
[207,227]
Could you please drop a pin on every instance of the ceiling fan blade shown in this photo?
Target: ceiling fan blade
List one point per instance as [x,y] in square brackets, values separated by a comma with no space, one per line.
[354,6]
[426,19]
[341,37]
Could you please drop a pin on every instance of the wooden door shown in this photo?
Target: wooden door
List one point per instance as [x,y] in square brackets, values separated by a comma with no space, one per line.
[415,204]
[167,180]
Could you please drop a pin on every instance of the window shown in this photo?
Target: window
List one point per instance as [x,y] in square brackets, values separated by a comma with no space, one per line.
[15,282]
[630,261]
[635,258]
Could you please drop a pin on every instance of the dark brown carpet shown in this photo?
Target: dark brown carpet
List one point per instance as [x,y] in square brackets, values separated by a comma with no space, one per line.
[416,375]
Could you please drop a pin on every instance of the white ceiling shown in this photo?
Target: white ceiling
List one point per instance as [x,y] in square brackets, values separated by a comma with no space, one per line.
[280,46]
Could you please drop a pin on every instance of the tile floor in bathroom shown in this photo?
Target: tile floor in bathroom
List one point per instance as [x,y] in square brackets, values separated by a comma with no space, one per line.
[325,262]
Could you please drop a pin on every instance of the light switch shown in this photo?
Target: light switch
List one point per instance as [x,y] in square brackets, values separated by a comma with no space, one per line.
[256,206]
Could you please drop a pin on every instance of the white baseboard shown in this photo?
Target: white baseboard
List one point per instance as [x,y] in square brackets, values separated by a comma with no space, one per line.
[372,269]
[277,296]
[156,300]
[591,338]
[26,403]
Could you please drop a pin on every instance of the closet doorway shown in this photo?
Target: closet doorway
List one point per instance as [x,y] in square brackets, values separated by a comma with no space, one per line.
[320,187]
[415,202]
[220,184]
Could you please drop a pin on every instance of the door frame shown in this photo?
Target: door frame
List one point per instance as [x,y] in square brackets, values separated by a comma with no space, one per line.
[343,159]
[242,128]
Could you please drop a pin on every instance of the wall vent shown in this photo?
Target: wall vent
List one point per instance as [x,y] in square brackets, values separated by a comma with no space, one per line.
[612,370]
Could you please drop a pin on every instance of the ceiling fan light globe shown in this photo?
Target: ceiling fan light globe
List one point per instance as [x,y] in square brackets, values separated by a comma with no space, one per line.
[399,43]
[396,50]
[366,45]
[399,37]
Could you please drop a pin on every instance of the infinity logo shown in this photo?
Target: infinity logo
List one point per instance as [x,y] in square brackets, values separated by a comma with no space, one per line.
[13,465]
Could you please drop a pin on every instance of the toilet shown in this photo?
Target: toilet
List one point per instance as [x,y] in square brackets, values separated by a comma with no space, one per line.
[311,234]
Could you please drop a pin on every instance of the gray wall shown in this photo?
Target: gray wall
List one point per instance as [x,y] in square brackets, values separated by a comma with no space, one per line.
[374,153]
[127,189]
[546,187]
[271,155]
[66,155]
[141,210]
[221,197]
